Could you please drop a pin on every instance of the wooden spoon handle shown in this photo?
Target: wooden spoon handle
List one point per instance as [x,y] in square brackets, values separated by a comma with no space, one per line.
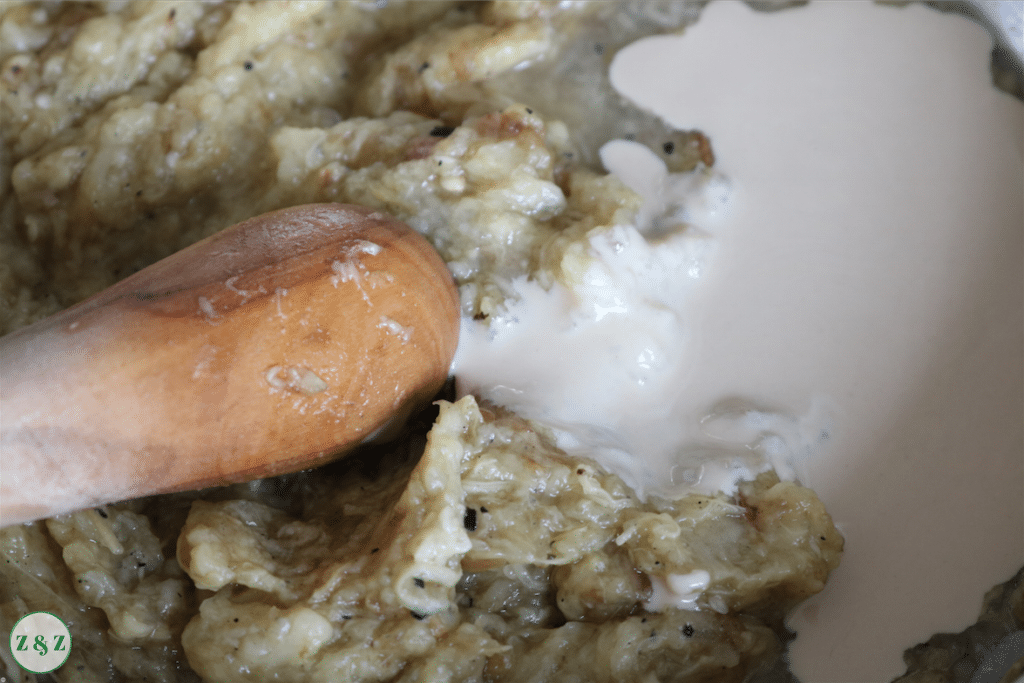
[272,346]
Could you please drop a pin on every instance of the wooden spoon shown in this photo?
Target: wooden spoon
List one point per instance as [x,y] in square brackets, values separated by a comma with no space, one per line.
[272,346]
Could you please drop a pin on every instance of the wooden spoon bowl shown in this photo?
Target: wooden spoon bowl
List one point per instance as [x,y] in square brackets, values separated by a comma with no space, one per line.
[272,346]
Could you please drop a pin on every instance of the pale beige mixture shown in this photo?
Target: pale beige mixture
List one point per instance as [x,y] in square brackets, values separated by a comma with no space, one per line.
[133,129]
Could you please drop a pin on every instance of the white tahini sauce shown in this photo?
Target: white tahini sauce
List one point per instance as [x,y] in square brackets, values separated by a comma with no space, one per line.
[677,590]
[842,299]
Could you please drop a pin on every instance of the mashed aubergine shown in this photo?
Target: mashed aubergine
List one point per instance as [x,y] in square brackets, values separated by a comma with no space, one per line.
[472,549]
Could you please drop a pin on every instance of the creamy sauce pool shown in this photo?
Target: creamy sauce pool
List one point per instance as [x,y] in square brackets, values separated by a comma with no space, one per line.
[842,300]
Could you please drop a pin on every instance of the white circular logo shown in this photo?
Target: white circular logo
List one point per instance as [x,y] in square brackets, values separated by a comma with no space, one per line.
[40,642]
